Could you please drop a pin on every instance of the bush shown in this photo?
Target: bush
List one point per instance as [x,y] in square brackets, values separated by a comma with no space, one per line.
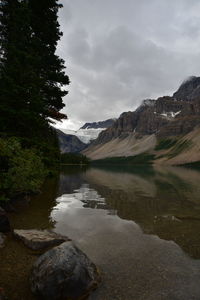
[164,144]
[22,170]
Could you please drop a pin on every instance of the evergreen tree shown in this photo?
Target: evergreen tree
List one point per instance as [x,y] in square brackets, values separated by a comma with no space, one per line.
[32,75]
[14,65]
[49,67]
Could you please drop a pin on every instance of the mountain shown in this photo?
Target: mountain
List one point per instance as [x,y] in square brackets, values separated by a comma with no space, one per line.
[98,125]
[69,143]
[84,135]
[153,126]
[90,131]
[76,141]
[189,89]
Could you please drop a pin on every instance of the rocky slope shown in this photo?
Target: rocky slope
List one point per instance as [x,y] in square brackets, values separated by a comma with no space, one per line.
[141,130]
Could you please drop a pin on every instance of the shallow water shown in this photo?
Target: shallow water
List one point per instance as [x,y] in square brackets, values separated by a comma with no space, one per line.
[139,225]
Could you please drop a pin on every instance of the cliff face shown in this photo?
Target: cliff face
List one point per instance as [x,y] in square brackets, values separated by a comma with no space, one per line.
[165,117]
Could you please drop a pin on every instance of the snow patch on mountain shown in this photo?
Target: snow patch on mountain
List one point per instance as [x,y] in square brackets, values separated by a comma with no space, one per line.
[170,114]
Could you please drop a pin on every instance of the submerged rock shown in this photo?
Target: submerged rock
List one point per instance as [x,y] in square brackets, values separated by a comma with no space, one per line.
[62,273]
[4,221]
[39,239]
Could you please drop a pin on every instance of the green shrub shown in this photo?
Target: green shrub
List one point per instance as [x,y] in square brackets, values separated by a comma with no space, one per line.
[165,144]
[194,165]
[179,147]
[22,170]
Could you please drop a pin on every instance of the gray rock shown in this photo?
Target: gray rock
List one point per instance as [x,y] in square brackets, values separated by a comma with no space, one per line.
[4,221]
[63,272]
[39,239]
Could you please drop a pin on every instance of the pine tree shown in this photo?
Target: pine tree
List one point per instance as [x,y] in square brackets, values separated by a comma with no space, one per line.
[50,68]
[14,65]
[31,74]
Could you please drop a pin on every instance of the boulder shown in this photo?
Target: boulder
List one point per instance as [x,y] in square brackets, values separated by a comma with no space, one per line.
[62,273]
[4,222]
[39,239]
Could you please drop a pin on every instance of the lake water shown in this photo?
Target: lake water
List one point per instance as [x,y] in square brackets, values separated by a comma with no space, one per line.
[140,226]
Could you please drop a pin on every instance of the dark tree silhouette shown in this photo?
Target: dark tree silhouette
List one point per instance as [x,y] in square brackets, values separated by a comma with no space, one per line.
[32,76]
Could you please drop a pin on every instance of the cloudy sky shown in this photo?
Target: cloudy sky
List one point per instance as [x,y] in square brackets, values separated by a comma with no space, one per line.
[118,53]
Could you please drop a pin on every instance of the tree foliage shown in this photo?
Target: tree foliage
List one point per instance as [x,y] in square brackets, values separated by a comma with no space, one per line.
[22,170]
[32,75]
[32,80]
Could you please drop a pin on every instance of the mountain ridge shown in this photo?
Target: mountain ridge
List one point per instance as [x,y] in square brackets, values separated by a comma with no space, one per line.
[166,117]
[99,124]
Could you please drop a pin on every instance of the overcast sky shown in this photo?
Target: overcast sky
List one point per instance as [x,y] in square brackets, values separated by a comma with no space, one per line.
[119,52]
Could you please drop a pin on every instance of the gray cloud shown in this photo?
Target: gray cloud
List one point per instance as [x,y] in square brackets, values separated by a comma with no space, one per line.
[118,53]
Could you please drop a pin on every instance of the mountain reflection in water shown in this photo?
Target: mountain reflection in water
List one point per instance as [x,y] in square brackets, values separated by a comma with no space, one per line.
[164,201]
[139,225]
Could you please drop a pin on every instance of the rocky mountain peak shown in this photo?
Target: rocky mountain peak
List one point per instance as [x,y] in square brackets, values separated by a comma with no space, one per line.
[145,103]
[165,116]
[98,125]
[189,89]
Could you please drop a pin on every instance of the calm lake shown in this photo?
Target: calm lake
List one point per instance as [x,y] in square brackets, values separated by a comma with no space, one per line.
[140,226]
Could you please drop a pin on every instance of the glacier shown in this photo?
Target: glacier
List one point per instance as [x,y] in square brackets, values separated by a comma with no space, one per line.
[85,135]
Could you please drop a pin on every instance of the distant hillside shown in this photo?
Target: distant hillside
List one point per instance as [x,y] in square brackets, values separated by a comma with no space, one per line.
[171,122]
[69,143]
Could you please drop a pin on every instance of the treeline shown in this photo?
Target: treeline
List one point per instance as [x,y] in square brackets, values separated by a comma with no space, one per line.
[32,78]
[74,159]
[140,159]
